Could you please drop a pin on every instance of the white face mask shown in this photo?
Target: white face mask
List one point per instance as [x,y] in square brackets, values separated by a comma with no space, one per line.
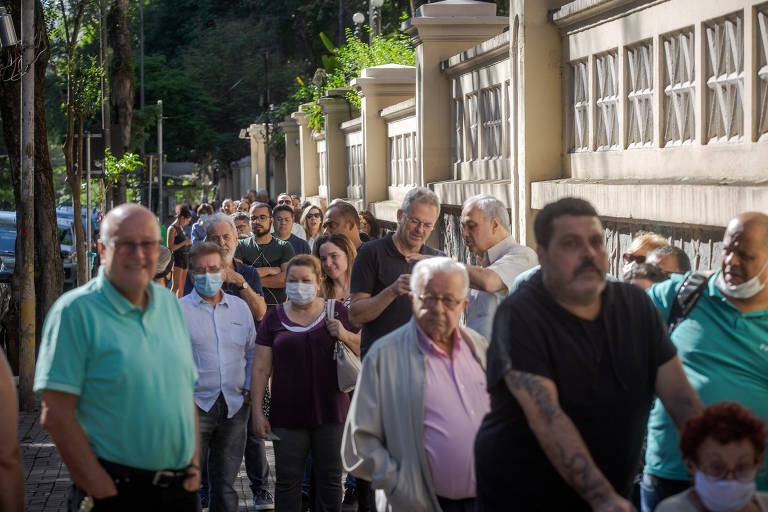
[745,290]
[723,495]
[301,293]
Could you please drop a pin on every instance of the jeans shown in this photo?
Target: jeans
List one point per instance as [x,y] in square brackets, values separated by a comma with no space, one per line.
[222,442]
[654,490]
[256,465]
[324,443]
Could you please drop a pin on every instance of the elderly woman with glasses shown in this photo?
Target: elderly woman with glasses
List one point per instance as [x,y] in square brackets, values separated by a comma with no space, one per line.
[723,450]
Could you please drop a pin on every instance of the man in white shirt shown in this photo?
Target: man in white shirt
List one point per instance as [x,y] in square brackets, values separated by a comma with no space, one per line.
[223,338]
[485,229]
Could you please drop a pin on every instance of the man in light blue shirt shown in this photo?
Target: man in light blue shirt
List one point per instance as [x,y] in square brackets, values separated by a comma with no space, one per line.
[223,333]
[117,376]
[723,345]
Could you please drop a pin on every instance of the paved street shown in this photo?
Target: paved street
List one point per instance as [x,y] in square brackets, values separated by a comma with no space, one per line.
[46,477]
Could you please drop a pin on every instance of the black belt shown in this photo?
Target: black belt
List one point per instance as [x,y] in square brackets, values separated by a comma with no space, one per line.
[126,475]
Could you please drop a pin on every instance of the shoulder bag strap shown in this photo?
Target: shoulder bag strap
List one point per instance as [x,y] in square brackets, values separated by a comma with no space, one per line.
[686,298]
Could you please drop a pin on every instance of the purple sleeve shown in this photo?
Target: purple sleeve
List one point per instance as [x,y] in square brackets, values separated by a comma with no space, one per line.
[342,314]
[265,334]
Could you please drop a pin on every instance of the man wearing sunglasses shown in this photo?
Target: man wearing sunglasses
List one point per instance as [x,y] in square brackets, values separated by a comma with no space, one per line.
[420,399]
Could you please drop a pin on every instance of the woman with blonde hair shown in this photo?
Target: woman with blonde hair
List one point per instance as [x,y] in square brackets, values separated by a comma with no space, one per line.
[311,220]
[643,243]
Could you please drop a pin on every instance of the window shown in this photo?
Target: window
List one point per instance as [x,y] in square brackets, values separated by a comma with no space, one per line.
[579,106]
[491,121]
[640,95]
[679,87]
[607,121]
[725,79]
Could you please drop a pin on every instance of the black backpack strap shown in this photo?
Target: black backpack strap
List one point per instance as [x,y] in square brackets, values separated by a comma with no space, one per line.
[686,298]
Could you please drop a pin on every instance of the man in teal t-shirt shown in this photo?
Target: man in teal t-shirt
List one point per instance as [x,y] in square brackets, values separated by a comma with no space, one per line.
[723,345]
[117,376]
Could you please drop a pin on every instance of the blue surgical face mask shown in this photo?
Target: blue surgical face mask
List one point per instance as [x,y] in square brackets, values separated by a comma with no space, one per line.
[208,285]
[723,495]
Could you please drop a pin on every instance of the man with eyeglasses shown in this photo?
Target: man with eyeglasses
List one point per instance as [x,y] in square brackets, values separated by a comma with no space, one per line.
[117,376]
[285,199]
[267,253]
[223,337]
[242,222]
[240,279]
[574,365]
[380,280]
[420,398]
[283,215]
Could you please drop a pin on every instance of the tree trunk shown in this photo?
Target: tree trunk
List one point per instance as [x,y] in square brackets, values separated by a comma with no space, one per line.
[48,268]
[122,95]
[82,258]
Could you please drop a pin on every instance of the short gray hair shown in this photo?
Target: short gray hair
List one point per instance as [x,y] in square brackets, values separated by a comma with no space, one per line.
[219,218]
[425,269]
[491,207]
[420,195]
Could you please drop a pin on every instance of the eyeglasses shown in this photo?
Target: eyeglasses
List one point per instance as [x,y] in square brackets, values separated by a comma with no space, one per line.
[313,215]
[629,258]
[431,301]
[742,472]
[218,238]
[255,218]
[416,223]
[125,247]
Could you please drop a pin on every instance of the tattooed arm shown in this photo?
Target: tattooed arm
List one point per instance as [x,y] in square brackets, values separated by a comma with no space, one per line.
[562,442]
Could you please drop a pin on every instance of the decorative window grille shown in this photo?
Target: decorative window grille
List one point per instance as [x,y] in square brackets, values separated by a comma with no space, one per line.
[490,100]
[402,159]
[580,106]
[458,122]
[607,126]
[355,171]
[474,120]
[679,88]
[762,70]
[640,96]
[725,79]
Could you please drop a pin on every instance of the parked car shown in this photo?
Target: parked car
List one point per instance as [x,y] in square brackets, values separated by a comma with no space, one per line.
[66,243]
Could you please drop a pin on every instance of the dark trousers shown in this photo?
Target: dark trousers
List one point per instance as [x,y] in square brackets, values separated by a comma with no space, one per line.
[222,442]
[654,490]
[465,505]
[136,493]
[324,443]
[256,465]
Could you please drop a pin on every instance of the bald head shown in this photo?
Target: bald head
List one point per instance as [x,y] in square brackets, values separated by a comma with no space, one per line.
[130,213]
[753,225]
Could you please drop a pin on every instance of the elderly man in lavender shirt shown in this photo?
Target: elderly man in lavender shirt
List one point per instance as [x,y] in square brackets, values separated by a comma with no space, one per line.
[420,399]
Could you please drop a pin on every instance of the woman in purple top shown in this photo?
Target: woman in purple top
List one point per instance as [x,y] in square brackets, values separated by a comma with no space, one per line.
[294,346]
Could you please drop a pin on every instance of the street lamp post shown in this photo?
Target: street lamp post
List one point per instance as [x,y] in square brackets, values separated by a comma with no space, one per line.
[358,18]
[374,16]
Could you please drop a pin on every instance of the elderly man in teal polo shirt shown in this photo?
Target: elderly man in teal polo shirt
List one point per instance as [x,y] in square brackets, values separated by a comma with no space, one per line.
[723,345]
[117,377]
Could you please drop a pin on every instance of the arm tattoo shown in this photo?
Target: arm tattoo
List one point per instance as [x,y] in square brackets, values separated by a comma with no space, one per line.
[580,474]
[532,384]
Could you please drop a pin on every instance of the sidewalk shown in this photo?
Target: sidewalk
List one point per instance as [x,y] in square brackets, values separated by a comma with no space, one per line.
[47,479]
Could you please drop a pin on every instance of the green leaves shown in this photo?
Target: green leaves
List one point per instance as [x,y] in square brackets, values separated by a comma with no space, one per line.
[115,169]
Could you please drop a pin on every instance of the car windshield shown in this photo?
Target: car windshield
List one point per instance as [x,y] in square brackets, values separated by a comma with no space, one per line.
[7,239]
[65,236]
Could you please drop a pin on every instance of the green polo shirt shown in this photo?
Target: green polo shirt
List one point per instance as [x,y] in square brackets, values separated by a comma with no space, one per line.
[133,371]
[725,356]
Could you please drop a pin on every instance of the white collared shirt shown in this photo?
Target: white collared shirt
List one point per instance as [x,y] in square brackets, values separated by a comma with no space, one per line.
[223,341]
[507,259]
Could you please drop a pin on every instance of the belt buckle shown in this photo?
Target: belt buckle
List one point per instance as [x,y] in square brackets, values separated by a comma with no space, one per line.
[163,478]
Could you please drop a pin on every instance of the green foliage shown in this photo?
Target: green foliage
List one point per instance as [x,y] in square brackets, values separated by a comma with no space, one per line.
[347,63]
[125,167]
[87,86]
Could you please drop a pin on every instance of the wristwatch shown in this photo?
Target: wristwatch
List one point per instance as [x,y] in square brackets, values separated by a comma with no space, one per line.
[244,285]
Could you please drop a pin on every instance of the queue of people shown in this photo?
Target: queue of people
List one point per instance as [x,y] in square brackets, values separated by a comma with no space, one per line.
[531,380]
